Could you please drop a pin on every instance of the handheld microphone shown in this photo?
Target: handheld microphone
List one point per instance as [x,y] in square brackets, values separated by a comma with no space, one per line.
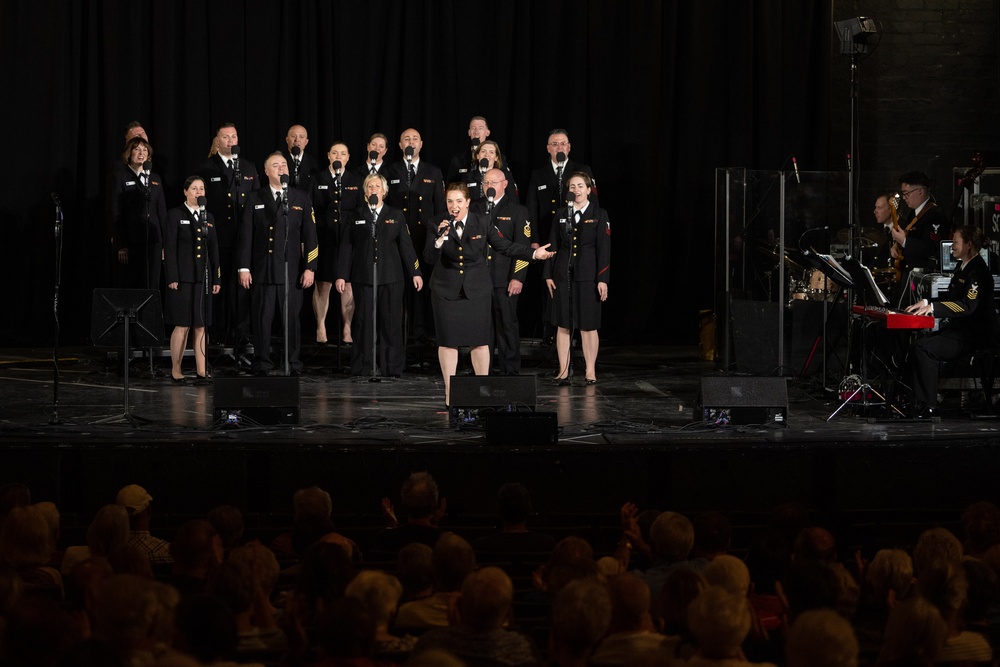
[444,231]
[55,198]
[795,165]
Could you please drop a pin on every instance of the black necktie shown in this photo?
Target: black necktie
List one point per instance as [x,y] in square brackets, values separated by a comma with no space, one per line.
[372,170]
[413,173]
[559,176]
[277,199]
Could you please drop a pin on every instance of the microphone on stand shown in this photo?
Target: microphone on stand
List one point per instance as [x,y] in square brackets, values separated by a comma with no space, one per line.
[372,205]
[490,196]
[147,167]
[337,166]
[408,154]
[203,220]
[795,165]
[475,147]
[372,159]
[295,151]
[202,201]
[284,192]
[235,153]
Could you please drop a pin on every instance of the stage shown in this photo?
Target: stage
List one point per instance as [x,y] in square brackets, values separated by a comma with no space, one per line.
[632,436]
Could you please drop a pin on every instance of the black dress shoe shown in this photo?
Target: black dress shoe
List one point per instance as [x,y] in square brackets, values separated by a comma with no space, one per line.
[179,380]
[928,413]
[591,380]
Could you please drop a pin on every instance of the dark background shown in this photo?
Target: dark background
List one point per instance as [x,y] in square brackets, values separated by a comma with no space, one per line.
[655,95]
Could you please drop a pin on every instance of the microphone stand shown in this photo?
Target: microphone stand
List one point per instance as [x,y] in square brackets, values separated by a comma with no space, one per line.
[55,312]
[232,321]
[338,184]
[284,313]
[376,375]
[149,195]
[570,229]
[203,221]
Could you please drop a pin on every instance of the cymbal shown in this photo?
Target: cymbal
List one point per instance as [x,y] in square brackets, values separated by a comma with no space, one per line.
[868,233]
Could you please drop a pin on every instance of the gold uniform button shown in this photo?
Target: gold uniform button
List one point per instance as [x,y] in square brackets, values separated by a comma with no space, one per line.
[199,230]
[269,252]
[460,248]
[271,240]
[461,272]
[420,198]
[197,256]
[574,254]
[461,256]
[198,248]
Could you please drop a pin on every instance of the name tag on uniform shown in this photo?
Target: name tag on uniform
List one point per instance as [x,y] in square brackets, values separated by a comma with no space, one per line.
[185,222]
[256,206]
[542,187]
[462,171]
[322,187]
[473,184]
[129,182]
[215,179]
[394,181]
[360,222]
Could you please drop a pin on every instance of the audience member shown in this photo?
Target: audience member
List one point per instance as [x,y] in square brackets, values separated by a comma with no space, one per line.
[581,615]
[345,633]
[196,551]
[379,593]
[914,634]
[671,540]
[26,546]
[712,536]
[107,532]
[631,637]
[131,613]
[981,524]
[139,506]
[936,548]
[682,586]
[256,629]
[38,632]
[51,515]
[571,559]
[326,569]
[477,634]
[422,507]
[13,494]
[514,508]
[452,561]
[945,586]
[415,571]
[730,573]
[719,622]
[207,630]
[261,566]
[821,638]
[313,510]
[228,524]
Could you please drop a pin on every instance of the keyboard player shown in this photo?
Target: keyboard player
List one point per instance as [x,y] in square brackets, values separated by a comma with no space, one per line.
[972,319]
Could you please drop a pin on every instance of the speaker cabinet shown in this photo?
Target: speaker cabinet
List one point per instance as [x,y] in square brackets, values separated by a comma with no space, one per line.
[488,391]
[261,400]
[743,401]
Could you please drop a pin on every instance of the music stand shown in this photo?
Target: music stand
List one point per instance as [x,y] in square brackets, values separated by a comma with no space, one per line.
[121,318]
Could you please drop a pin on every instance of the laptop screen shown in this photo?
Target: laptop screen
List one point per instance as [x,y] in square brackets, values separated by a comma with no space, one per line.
[948,263]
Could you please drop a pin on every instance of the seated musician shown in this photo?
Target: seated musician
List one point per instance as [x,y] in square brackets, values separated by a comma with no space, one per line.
[920,232]
[972,318]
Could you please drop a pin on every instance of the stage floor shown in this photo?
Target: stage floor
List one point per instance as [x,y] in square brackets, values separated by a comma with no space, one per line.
[646,397]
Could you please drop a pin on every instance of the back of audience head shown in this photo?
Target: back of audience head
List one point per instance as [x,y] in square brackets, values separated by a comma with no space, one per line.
[891,571]
[25,539]
[419,495]
[452,560]
[914,633]
[712,534]
[719,622]
[809,585]
[983,590]
[671,537]
[139,505]
[196,546]
[816,544]
[936,547]
[486,598]
[13,494]
[129,559]
[259,562]
[379,592]
[946,587]
[228,523]
[630,602]
[434,657]
[108,530]
[414,569]
[821,638]
[84,581]
[312,504]
[981,524]
[51,514]
[206,628]
[513,503]
[233,584]
[126,611]
[581,614]
[730,573]
[345,629]
[326,570]
[572,558]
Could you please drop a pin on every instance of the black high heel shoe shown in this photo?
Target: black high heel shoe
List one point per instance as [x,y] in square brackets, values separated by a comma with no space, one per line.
[180,380]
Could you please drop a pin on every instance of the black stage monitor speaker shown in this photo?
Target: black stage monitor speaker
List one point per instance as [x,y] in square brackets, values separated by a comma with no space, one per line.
[521,428]
[743,400]
[487,391]
[261,400]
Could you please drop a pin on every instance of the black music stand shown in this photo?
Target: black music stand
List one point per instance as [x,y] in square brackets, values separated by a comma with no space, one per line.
[121,318]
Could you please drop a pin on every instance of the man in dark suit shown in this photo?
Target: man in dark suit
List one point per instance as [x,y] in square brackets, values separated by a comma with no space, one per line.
[920,232]
[376,235]
[417,188]
[302,168]
[229,180]
[512,220]
[278,225]
[546,194]
[465,159]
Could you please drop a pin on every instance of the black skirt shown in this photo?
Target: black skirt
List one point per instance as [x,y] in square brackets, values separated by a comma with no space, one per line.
[187,306]
[326,263]
[586,314]
[463,322]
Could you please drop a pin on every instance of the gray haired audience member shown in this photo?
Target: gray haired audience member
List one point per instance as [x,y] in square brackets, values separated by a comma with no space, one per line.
[581,615]
[671,540]
[821,638]
[415,572]
[379,593]
[452,560]
[631,638]
[719,622]
[421,505]
[107,531]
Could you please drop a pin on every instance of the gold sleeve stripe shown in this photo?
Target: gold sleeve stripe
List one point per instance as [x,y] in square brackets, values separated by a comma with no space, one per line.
[313,254]
[520,265]
[954,307]
[416,264]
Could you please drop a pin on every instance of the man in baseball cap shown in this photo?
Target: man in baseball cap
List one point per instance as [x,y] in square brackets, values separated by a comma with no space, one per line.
[138,503]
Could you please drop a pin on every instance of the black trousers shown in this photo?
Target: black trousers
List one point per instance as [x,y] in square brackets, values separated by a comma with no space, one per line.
[267,302]
[506,332]
[419,313]
[391,339]
[948,344]
[231,306]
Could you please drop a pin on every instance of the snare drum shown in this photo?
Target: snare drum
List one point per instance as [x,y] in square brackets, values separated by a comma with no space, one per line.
[821,288]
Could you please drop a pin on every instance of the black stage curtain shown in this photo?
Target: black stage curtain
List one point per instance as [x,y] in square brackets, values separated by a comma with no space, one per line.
[655,96]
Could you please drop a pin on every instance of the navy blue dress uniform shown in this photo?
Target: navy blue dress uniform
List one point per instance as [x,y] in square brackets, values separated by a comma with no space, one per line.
[334,201]
[263,250]
[302,172]
[461,164]
[545,196]
[972,324]
[583,243]
[462,287]
[512,221]
[392,249]
[474,182]
[131,230]
[923,240]
[190,259]
[420,198]
[227,198]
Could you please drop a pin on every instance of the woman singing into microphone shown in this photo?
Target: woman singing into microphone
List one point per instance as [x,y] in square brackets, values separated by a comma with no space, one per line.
[489,150]
[578,279]
[191,265]
[138,209]
[461,286]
